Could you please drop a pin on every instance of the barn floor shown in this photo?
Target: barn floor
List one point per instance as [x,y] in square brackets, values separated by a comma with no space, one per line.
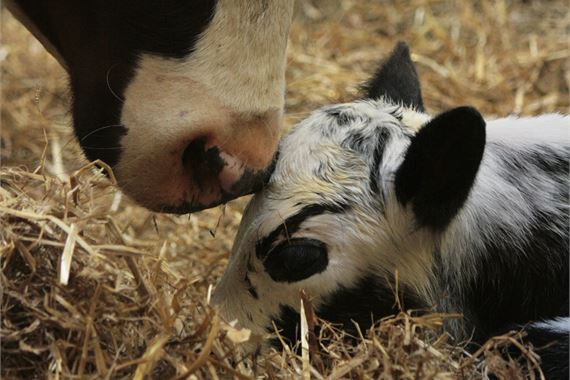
[95,287]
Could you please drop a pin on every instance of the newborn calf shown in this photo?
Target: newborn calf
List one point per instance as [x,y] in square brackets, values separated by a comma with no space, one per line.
[471,214]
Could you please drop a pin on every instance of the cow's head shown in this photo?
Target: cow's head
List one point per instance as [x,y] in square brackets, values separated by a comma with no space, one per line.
[183,99]
[357,194]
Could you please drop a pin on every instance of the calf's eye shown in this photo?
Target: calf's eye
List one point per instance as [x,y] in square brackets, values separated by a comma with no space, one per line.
[296,259]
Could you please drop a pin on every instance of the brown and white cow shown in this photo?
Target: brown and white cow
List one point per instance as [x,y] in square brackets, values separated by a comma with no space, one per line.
[183,99]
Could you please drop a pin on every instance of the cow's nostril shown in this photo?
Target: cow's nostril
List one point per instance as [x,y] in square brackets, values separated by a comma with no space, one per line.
[202,162]
[217,174]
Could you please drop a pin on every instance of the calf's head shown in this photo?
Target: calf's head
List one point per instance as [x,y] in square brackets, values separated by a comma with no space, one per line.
[359,192]
[184,99]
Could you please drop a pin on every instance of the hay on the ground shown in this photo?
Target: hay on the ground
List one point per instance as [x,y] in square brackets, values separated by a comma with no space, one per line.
[94,286]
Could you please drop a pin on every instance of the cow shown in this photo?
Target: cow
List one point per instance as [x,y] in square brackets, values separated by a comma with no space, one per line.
[471,214]
[182,99]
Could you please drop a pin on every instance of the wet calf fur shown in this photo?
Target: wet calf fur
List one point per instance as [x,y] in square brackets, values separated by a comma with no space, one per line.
[471,213]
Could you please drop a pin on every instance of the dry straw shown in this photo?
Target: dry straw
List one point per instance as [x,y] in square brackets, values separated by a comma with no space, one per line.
[96,287]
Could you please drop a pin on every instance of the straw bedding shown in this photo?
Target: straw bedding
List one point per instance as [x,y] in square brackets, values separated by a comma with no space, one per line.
[93,286]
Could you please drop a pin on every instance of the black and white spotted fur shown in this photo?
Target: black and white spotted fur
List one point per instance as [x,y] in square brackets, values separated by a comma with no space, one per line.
[472,214]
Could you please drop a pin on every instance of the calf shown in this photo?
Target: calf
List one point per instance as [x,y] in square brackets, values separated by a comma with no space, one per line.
[471,214]
[183,99]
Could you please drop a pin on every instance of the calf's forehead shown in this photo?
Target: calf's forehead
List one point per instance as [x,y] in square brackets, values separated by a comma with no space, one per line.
[326,160]
[349,126]
[334,150]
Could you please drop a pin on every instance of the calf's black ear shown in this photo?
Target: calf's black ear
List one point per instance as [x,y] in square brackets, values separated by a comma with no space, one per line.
[397,79]
[440,166]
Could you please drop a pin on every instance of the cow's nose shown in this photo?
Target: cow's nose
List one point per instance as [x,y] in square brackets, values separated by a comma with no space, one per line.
[213,169]
[201,161]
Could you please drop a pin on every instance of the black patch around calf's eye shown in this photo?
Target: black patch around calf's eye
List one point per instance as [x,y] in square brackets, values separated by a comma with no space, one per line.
[292,224]
[296,259]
